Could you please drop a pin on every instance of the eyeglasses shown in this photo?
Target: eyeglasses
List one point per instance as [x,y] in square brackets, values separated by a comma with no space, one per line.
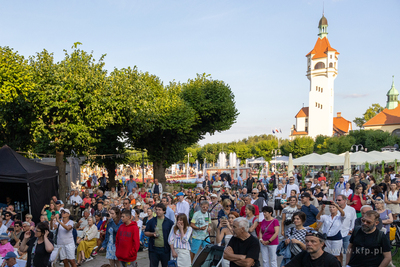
[365,221]
[316,234]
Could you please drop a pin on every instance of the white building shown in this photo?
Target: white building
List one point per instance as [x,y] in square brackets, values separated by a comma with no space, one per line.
[322,69]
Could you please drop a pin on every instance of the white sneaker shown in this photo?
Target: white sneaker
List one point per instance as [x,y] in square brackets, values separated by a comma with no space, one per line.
[89,259]
[61,263]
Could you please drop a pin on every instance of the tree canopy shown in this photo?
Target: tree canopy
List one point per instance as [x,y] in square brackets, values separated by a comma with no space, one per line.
[368,114]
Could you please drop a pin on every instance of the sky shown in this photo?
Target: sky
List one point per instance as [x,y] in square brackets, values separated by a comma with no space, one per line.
[257,47]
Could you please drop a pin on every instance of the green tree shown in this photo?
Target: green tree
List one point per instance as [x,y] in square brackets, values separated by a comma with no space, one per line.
[68,105]
[299,147]
[369,114]
[16,92]
[181,114]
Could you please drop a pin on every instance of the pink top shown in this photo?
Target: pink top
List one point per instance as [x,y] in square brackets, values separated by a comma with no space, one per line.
[87,201]
[5,248]
[267,230]
[143,195]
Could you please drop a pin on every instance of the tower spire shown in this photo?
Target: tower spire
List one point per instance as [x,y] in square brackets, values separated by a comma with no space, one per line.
[323,26]
[392,97]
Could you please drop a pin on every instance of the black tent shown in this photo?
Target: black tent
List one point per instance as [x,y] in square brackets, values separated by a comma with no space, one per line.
[25,180]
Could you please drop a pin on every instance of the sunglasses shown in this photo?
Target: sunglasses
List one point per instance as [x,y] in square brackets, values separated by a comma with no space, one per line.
[316,234]
[254,193]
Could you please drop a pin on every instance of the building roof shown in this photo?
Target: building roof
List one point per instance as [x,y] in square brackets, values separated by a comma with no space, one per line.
[341,125]
[321,47]
[302,113]
[385,117]
[299,133]
[393,90]
[323,21]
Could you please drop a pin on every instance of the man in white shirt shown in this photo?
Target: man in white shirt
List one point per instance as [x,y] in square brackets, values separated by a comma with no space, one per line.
[182,206]
[348,222]
[133,192]
[76,201]
[291,186]
[199,181]
[217,184]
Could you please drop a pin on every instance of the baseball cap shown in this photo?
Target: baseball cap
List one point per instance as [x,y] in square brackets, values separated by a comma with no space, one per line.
[306,195]
[65,210]
[214,195]
[9,255]
[59,202]
[179,194]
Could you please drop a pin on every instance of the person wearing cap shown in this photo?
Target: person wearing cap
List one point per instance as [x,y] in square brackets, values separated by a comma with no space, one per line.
[65,238]
[59,205]
[11,260]
[215,207]
[5,245]
[310,210]
[314,254]
[182,206]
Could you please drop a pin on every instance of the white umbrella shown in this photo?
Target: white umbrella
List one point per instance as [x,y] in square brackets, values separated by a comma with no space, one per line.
[290,165]
[347,166]
[312,159]
[204,168]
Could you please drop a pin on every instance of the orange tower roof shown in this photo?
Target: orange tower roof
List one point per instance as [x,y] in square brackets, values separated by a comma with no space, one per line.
[302,113]
[385,117]
[321,47]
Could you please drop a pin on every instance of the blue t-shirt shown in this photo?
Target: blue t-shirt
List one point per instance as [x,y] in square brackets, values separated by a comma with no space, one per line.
[311,214]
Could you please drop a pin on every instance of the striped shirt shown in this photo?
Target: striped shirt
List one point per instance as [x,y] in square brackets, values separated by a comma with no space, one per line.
[178,241]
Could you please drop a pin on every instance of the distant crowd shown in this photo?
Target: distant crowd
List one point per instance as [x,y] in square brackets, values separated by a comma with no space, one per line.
[178,225]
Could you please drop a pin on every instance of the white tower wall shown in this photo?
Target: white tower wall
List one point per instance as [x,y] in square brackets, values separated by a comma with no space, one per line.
[321,95]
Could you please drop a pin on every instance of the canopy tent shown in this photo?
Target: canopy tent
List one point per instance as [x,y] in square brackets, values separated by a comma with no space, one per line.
[315,159]
[25,180]
[357,158]
[259,160]
[280,159]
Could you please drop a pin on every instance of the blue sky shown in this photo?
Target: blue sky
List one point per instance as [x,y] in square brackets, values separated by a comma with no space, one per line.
[257,47]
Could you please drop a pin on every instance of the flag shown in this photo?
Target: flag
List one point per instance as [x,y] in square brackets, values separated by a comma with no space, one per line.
[276,130]
[273,131]
[280,130]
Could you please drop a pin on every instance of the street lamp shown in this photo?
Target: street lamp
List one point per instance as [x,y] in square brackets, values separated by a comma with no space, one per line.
[276,151]
[356,146]
[187,169]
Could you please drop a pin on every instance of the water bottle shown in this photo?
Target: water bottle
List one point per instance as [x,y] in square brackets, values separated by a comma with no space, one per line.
[156,230]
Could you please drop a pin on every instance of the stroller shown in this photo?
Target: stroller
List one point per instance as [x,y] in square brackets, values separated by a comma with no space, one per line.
[210,256]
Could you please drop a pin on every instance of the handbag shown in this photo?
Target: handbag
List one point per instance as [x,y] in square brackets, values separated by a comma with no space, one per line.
[173,263]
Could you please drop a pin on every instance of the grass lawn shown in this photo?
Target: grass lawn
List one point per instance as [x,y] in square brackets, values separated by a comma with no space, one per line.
[396,259]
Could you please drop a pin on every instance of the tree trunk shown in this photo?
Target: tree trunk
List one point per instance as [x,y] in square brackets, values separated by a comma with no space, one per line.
[110,166]
[62,178]
[159,173]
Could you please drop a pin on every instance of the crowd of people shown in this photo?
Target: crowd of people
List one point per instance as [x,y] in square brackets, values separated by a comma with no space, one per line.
[126,219]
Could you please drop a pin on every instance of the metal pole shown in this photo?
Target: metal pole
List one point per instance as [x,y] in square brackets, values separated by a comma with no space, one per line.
[143,167]
[29,199]
[187,169]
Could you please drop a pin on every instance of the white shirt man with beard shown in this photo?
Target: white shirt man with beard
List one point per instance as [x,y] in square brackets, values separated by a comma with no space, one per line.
[291,186]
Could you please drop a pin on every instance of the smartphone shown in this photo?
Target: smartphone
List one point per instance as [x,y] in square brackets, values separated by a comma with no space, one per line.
[10,229]
[326,202]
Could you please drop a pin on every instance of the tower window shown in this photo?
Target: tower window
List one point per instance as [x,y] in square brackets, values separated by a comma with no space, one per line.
[306,119]
[306,129]
[316,104]
[322,90]
[319,65]
[330,65]
[331,56]
[316,88]
[321,106]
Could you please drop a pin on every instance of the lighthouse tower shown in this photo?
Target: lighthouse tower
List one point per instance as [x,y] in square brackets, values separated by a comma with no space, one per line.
[322,66]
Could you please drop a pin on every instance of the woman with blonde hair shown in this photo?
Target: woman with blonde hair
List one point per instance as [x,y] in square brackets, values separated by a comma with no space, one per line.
[87,241]
[179,240]
[392,200]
